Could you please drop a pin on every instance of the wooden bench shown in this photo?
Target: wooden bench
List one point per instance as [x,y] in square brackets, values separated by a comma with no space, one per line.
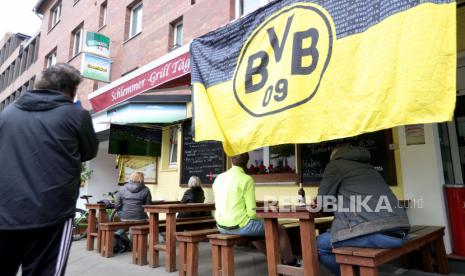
[420,238]
[223,248]
[223,252]
[106,232]
[189,250]
[140,234]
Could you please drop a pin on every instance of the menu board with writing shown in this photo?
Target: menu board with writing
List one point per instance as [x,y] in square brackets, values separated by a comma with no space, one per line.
[315,157]
[203,159]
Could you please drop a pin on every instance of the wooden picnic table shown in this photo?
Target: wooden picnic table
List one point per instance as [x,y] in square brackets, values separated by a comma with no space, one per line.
[170,210]
[307,239]
[92,218]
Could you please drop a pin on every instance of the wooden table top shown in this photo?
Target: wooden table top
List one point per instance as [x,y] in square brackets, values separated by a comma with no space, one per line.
[182,207]
[158,202]
[95,206]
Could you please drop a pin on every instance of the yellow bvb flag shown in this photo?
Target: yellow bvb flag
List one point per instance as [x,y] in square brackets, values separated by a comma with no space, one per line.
[310,71]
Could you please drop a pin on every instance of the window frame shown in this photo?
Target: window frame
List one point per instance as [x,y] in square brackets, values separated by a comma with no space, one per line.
[77,50]
[55,15]
[131,20]
[176,26]
[103,14]
[51,59]
[174,145]
[240,7]
[285,178]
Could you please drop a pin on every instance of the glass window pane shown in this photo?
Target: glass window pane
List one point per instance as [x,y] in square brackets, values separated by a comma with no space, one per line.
[248,6]
[270,160]
[173,145]
[104,15]
[447,163]
[282,159]
[136,20]
[77,42]
[178,34]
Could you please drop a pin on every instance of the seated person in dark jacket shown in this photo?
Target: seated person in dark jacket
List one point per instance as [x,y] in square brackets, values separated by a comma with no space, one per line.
[131,197]
[194,194]
[369,217]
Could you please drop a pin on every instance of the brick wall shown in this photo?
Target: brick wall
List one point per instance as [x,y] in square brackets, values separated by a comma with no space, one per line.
[128,54]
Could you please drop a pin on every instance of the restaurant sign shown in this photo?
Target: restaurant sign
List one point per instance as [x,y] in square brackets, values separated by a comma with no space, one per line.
[96,68]
[160,74]
[97,44]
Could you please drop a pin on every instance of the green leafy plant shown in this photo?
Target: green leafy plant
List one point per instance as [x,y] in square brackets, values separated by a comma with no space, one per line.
[86,173]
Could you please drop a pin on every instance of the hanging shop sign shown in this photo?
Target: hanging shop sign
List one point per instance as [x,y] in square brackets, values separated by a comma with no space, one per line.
[95,67]
[97,44]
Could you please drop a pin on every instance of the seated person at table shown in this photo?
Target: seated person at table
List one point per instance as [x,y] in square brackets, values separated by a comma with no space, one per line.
[194,194]
[351,178]
[131,197]
[234,193]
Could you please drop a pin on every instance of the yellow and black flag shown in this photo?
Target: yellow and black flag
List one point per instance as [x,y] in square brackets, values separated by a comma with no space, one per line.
[308,71]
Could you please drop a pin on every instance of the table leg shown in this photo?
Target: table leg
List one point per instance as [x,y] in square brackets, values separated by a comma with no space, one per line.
[441,256]
[368,271]
[170,258]
[102,216]
[309,252]
[91,228]
[153,240]
[216,260]
[272,245]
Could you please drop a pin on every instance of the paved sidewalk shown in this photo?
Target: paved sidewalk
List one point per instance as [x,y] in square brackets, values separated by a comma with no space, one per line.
[248,262]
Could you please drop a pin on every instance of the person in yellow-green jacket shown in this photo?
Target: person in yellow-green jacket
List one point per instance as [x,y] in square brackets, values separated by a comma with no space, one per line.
[234,193]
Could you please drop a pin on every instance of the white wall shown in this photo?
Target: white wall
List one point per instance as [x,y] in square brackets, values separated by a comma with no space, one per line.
[423,179]
[104,179]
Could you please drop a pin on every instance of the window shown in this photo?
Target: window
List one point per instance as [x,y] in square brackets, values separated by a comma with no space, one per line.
[273,164]
[136,20]
[55,14]
[51,59]
[103,14]
[177,34]
[244,7]
[173,146]
[77,41]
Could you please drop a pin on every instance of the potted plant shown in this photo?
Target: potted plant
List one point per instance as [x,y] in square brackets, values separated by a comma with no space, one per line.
[86,173]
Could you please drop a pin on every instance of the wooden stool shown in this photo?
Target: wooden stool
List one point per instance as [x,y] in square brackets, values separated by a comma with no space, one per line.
[223,252]
[189,250]
[139,244]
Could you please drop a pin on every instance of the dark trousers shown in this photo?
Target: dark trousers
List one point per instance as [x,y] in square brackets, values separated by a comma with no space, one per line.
[39,252]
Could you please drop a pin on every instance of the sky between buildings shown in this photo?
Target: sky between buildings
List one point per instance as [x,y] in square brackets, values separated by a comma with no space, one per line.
[16,16]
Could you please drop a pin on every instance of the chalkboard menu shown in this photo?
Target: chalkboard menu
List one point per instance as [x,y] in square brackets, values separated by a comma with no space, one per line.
[203,159]
[314,157]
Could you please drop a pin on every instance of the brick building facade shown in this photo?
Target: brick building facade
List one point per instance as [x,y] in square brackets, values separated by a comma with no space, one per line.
[130,48]
[18,65]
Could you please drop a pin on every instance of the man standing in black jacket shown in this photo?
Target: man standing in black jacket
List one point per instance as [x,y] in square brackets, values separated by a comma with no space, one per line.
[44,138]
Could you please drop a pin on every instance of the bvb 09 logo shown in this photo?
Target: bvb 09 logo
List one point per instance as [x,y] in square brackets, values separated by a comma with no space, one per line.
[284,59]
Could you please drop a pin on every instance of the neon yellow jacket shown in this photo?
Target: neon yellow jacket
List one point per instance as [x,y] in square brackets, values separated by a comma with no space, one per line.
[234,193]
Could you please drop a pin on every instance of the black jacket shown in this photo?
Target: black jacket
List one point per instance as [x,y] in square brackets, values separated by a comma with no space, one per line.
[129,201]
[349,175]
[44,138]
[193,195]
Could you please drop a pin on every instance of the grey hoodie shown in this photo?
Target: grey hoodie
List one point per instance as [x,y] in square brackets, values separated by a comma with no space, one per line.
[351,174]
[129,201]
